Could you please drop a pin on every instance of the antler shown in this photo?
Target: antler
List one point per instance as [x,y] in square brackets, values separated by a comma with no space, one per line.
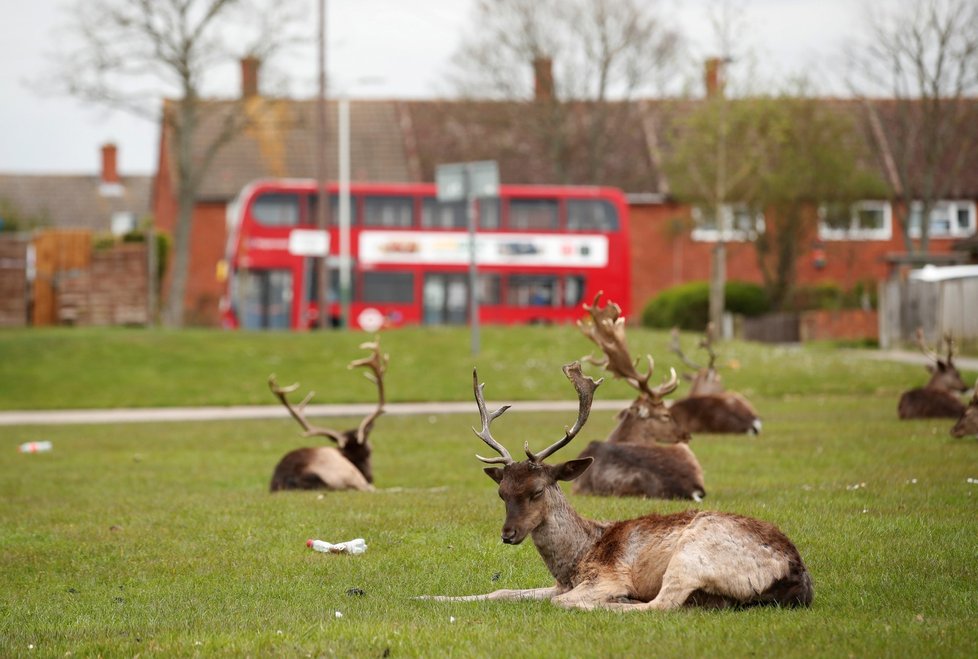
[585,387]
[676,348]
[377,364]
[922,344]
[707,343]
[949,340]
[298,413]
[606,328]
[487,419]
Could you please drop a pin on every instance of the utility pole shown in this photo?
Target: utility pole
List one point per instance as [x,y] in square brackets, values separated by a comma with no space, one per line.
[322,205]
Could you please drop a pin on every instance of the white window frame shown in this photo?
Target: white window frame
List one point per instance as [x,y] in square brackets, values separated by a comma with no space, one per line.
[728,234]
[854,231]
[953,206]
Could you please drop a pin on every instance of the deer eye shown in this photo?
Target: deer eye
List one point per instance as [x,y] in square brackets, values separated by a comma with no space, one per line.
[537,494]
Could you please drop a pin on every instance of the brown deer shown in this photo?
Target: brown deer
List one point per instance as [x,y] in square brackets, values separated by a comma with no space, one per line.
[709,407]
[937,398]
[967,424]
[345,467]
[692,558]
[647,454]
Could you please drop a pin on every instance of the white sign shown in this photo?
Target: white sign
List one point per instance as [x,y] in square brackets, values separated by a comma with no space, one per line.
[458,181]
[370,320]
[452,248]
[308,242]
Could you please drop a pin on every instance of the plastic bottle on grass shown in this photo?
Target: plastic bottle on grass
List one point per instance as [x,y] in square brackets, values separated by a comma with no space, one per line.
[357,546]
[35,447]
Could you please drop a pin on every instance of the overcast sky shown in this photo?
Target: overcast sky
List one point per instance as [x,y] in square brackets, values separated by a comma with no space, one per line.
[377,48]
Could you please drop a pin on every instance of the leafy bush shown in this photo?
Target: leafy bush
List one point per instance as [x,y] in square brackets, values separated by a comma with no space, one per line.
[687,306]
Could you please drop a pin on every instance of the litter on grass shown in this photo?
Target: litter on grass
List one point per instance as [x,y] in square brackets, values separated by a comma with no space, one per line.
[354,547]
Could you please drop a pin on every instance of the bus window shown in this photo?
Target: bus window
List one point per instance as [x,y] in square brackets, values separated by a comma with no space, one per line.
[312,282]
[388,211]
[489,288]
[591,215]
[334,211]
[276,209]
[397,287]
[532,214]
[443,214]
[532,291]
[265,300]
[488,213]
[573,290]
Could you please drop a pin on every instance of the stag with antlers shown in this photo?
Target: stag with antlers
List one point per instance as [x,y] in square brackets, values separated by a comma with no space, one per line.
[708,407]
[346,466]
[692,558]
[647,454]
[938,398]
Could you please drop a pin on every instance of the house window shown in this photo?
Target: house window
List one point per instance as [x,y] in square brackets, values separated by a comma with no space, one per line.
[388,212]
[948,219]
[864,220]
[738,222]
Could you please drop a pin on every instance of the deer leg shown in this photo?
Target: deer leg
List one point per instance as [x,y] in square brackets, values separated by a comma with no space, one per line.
[594,595]
[504,594]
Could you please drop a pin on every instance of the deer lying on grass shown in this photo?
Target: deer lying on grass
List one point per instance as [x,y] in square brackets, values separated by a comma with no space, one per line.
[937,398]
[967,424]
[647,454]
[345,467]
[708,407]
[692,558]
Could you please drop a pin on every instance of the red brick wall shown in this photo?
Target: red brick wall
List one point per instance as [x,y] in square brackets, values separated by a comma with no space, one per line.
[111,291]
[664,255]
[842,324]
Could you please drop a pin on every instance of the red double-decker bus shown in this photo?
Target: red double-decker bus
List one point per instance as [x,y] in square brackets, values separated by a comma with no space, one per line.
[540,252]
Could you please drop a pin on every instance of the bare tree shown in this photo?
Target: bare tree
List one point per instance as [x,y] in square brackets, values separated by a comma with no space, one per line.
[130,54]
[923,54]
[591,58]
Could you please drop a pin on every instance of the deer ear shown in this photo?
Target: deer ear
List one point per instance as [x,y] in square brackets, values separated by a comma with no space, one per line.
[495,473]
[571,469]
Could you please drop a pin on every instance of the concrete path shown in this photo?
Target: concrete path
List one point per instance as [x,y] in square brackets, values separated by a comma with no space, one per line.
[160,414]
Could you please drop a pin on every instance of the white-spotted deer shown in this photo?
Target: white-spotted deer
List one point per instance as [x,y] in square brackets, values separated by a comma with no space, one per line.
[692,558]
[967,423]
[939,397]
[345,467]
[709,407]
[647,454]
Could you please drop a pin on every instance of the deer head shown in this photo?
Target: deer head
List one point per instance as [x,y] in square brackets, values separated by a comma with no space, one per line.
[530,488]
[354,444]
[944,375]
[968,423]
[647,419]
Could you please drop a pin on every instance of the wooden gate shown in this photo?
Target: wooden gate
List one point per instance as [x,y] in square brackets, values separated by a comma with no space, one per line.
[13,280]
[59,255]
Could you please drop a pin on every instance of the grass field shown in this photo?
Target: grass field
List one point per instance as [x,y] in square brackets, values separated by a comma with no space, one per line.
[161,539]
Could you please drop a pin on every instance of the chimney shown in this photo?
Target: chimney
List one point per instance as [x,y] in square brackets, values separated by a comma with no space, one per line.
[249,76]
[110,175]
[543,79]
[713,75]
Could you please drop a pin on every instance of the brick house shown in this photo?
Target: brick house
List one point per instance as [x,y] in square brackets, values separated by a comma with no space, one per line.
[539,142]
[49,271]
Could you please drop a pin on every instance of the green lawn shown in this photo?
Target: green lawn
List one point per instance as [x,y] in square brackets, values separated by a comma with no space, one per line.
[82,368]
[161,539]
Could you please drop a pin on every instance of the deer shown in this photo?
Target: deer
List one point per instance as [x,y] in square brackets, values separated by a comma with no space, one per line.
[657,562]
[937,398]
[345,466]
[647,454]
[967,423]
[709,407]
